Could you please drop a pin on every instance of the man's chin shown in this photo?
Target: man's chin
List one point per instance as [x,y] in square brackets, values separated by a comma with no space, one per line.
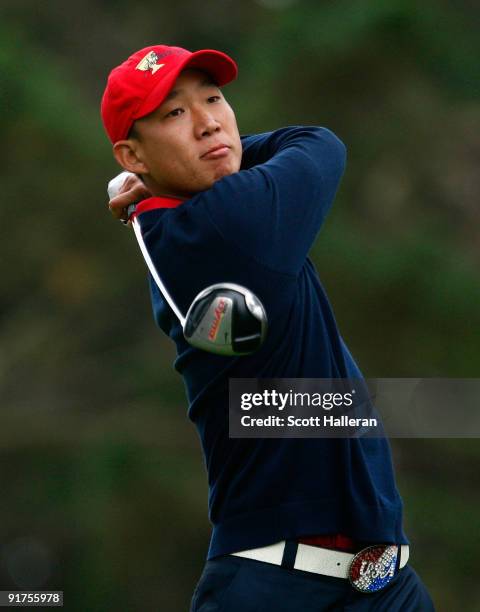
[224,171]
[219,173]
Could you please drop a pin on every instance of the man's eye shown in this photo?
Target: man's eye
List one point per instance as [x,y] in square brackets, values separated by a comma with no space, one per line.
[175,112]
[213,99]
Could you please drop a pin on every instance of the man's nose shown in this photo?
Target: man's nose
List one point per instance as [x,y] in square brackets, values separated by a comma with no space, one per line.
[205,123]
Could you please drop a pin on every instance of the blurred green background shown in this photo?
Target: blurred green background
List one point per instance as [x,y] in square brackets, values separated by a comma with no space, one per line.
[103,487]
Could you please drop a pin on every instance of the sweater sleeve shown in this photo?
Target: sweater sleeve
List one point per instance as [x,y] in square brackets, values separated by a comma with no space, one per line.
[274,207]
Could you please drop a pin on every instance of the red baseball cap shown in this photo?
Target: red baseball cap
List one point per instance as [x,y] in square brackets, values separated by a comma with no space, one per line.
[139,85]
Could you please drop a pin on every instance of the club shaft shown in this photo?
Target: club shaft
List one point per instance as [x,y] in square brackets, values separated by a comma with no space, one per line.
[148,260]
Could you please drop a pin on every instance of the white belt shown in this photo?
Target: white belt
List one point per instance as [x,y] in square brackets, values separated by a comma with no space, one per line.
[312,558]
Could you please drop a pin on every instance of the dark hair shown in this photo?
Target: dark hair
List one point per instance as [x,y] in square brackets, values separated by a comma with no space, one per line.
[132,133]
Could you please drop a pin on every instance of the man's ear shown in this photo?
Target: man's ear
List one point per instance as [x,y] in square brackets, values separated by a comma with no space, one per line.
[127,154]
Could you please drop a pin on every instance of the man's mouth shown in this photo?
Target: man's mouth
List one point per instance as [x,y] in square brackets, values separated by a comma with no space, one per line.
[216,152]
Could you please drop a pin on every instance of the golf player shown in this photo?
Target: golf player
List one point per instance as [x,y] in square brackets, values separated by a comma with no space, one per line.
[298,524]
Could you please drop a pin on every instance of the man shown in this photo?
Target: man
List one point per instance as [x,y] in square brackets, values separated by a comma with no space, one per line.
[288,515]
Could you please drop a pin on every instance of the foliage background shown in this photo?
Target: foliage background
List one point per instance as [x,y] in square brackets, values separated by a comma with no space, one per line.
[103,488]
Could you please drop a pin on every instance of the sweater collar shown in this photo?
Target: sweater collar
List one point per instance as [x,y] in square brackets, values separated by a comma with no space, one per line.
[156,202]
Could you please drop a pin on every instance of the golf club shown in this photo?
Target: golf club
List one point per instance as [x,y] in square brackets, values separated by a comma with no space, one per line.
[225,318]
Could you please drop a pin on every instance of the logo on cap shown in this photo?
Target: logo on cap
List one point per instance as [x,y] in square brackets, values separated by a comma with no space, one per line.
[149,62]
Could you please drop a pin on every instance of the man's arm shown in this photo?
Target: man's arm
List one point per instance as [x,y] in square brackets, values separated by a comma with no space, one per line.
[256,149]
[274,207]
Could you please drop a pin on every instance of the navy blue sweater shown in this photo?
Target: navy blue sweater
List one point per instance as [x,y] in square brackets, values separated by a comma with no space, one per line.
[255,228]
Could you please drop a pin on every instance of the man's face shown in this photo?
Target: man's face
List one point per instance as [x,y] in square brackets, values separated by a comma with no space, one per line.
[191,140]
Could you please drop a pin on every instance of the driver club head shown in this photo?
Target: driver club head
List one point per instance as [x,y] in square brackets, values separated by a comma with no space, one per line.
[226,319]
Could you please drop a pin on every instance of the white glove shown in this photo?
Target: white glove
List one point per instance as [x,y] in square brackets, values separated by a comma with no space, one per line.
[116,183]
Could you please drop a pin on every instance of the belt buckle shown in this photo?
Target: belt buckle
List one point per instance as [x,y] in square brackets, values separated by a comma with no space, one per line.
[373,568]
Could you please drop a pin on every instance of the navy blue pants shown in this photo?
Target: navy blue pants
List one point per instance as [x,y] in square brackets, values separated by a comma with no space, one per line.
[235,584]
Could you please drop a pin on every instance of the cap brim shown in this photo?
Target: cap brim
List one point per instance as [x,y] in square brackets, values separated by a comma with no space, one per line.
[217,64]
